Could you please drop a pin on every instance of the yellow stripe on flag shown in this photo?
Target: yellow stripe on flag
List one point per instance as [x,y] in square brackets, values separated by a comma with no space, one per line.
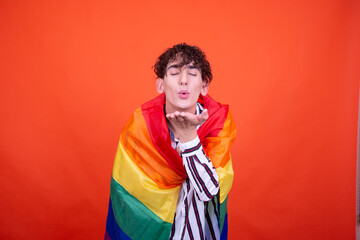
[139,185]
[226,176]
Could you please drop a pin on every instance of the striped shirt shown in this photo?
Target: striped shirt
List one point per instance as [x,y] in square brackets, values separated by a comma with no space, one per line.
[197,210]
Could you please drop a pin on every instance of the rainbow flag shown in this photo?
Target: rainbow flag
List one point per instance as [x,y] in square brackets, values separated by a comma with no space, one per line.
[148,172]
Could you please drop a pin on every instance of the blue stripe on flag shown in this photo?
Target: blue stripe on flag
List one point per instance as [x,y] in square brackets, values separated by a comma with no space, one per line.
[224,233]
[112,228]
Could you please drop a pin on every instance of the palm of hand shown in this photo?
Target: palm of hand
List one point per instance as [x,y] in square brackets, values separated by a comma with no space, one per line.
[183,124]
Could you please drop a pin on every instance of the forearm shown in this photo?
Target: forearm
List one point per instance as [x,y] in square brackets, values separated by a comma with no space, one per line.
[200,170]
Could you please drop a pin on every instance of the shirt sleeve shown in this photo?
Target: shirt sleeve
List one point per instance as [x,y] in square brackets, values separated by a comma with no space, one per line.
[200,171]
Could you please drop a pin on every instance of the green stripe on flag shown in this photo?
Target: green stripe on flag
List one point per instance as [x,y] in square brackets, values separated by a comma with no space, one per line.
[223,211]
[135,219]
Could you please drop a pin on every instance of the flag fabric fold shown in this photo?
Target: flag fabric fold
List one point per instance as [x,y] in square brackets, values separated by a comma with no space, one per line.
[148,172]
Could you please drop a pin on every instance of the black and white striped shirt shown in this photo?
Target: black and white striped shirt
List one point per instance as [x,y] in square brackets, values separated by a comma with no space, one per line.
[197,210]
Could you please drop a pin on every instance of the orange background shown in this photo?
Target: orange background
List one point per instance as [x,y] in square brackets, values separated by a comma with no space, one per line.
[72,72]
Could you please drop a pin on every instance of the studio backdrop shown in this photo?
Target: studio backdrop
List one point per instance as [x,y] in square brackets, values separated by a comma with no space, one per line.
[72,72]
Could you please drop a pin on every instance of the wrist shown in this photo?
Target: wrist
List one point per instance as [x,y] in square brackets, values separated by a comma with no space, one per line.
[187,137]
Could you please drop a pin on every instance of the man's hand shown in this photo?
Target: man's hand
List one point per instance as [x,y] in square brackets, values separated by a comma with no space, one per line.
[183,124]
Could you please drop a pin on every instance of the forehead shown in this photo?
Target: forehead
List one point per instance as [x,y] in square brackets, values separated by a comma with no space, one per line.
[179,63]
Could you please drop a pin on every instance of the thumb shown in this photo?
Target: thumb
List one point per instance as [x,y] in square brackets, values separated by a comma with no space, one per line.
[203,116]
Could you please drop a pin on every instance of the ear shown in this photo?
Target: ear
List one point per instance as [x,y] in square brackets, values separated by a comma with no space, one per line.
[204,88]
[160,85]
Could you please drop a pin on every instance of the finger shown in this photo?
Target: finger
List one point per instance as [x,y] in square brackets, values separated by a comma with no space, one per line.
[170,116]
[179,116]
[192,118]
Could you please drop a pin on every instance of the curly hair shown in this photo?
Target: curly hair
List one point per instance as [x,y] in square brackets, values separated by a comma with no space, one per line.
[188,54]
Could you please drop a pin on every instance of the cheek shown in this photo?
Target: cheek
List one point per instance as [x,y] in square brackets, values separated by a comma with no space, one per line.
[198,86]
[168,86]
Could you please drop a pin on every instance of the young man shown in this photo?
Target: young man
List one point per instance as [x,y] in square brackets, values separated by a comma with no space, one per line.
[172,171]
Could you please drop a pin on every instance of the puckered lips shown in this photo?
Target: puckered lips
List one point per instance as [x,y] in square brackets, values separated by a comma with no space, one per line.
[183,94]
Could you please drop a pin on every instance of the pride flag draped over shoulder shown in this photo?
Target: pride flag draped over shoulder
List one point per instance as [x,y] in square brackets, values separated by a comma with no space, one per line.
[148,172]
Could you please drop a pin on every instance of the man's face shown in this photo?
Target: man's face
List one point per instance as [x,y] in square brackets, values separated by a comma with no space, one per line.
[182,86]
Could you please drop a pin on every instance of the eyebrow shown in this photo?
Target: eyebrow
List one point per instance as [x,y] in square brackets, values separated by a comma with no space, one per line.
[193,67]
[173,66]
[178,66]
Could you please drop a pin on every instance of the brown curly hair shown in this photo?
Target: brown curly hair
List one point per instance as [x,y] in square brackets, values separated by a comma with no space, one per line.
[188,54]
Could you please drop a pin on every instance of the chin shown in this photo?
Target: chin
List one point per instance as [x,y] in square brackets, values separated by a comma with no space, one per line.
[183,105]
[187,107]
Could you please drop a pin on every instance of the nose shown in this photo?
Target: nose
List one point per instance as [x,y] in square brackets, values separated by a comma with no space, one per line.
[183,78]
